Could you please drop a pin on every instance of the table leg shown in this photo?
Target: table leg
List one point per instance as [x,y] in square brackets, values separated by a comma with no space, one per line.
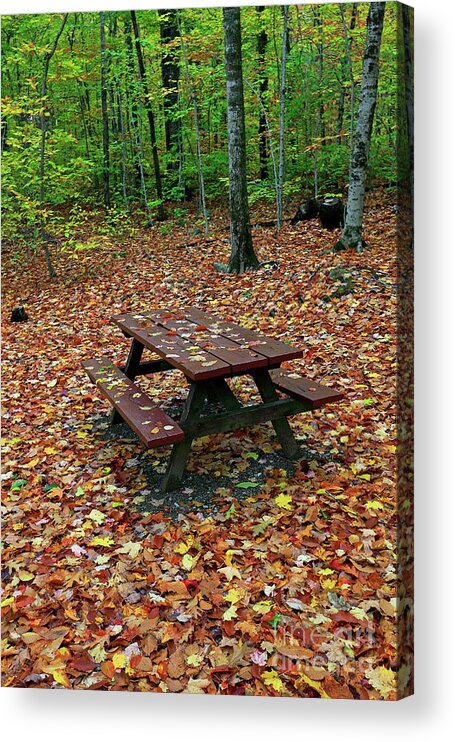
[131,369]
[220,391]
[181,450]
[282,428]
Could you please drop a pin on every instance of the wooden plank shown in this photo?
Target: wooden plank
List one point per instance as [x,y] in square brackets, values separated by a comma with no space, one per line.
[150,367]
[240,358]
[274,350]
[245,417]
[305,389]
[152,425]
[190,358]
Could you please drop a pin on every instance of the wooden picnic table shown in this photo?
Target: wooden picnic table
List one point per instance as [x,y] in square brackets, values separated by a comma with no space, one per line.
[208,350]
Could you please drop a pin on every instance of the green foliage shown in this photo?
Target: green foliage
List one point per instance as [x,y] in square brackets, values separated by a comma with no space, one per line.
[72,109]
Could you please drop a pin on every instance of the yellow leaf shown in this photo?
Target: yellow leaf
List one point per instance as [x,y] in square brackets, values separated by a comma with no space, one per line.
[183,546]
[284,501]
[271,677]
[132,548]
[233,595]
[316,685]
[187,562]
[230,572]
[25,576]
[328,584]
[119,660]
[194,660]
[98,653]
[263,607]
[382,679]
[49,450]
[374,505]
[61,677]
[100,541]
[31,464]
[97,516]
[230,613]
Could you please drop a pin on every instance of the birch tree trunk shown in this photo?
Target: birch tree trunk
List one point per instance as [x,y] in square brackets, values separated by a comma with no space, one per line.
[242,252]
[104,116]
[352,233]
[160,213]
[279,216]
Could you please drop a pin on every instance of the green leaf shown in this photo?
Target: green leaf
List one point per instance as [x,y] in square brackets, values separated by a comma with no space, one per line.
[275,620]
[247,485]
[17,484]
[231,511]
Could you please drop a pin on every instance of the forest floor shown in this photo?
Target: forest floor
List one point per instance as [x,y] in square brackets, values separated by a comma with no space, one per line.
[286,586]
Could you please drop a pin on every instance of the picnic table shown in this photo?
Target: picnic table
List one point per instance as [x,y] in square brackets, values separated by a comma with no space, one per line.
[207,350]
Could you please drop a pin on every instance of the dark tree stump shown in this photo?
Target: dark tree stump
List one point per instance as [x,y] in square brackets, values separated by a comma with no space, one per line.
[308,210]
[19,315]
[331,213]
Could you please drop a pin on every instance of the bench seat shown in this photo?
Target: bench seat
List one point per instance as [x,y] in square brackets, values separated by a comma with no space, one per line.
[304,389]
[152,425]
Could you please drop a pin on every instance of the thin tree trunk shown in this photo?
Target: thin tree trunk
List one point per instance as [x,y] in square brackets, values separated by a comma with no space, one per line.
[136,127]
[131,95]
[320,56]
[352,233]
[271,149]
[161,216]
[104,115]
[43,122]
[348,41]
[200,171]
[347,72]
[242,252]
[263,88]
[170,74]
[284,47]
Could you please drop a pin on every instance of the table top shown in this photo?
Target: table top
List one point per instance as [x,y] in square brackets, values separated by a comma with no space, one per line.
[204,346]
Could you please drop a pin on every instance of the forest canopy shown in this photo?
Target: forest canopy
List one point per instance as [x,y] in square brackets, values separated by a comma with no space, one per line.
[91,125]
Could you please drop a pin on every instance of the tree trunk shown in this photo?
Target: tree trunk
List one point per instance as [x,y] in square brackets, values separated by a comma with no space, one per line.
[320,56]
[131,84]
[104,115]
[43,125]
[263,88]
[284,49]
[170,74]
[161,216]
[407,19]
[242,252]
[347,72]
[200,171]
[352,233]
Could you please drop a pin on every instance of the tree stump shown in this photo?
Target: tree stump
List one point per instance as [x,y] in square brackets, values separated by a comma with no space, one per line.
[308,210]
[331,213]
[19,315]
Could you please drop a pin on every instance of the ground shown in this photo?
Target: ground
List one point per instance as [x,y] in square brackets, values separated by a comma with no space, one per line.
[258,577]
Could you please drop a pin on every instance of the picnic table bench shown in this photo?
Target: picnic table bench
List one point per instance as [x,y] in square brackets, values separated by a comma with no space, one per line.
[208,350]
